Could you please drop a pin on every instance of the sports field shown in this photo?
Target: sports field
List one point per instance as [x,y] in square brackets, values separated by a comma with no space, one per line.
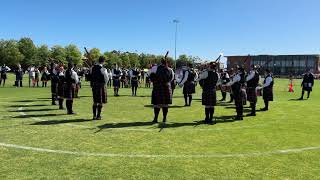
[39,141]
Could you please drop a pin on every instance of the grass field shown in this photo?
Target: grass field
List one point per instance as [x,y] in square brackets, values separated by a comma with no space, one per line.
[39,141]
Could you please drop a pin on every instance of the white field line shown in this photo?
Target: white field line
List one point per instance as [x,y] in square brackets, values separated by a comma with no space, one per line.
[237,155]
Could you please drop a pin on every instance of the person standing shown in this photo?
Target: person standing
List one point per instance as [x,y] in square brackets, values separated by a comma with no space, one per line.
[252,83]
[116,74]
[60,89]
[45,77]
[161,76]
[3,74]
[231,75]
[134,73]
[208,81]
[36,77]
[54,76]
[189,77]
[239,93]
[267,90]
[307,84]
[99,81]
[224,80]
[71,79]
[19,76]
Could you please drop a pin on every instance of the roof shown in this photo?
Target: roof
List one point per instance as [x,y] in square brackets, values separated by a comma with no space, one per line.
[275,55]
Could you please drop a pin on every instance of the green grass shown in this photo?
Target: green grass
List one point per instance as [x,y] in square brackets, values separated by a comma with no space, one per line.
[124,130]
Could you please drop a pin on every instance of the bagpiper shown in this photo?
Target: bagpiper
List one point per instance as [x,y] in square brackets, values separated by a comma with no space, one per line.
[116,74]
[267,90]
[161,76]
[99,81]
[60,89]
[134,75]
[225,79]
[54,83]
[71,79]
[208,81]
[252,83]
[3,74]
[231,75]
[307,84]
[189,76]
[239,93]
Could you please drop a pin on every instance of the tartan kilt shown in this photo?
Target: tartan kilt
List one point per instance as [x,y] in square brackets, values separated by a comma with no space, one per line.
[241,97]
[69,90]
[268,94]
[251,94]
[134,83]
[3,76]
[305,87]
[116,83]
[173,84]
[54,87]
[209,98]
[161,94]
[60,92]
[189,88]
[99,93]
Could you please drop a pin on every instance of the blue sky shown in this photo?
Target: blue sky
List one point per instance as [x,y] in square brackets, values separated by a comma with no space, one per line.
[207,27]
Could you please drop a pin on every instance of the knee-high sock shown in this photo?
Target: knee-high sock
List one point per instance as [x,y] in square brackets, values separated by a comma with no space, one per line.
[53,99]
[241,110]
[224,94]
[94,111]
[211,113]
[4,82]
[156,113]
[135,90]
[207,112]
[132,89]
[302,94]
[186,99]
[165,113]
[253,108]
[99,110]
[190,100]
[309,93]
[266,104]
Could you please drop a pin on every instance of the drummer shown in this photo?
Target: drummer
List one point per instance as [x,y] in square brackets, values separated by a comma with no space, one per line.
[252,83]
[224,81]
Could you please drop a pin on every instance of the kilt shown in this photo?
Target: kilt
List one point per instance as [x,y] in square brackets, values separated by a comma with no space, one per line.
[209,98]
[268,94]
[252,95]
[189,87]
[99,93]
[60,90]
[306,87]
[240,98]
[116,83]
[3,76]
[173,84]
[161,94]
[69,91]
[134,83]
[54,87]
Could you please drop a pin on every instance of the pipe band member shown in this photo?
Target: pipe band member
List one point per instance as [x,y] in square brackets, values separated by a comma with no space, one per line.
[116,74]
[239,93]
[71,79]
[307,84]
[225,79]
[208,81]
[189,76]
[161,76]
[3,74]
[134,75]
[60,88]
[252,83]
[267,90]
[99,90]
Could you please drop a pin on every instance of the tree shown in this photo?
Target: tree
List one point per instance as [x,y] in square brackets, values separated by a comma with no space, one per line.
[9,53]
[42,56]
[183,61]
[28,49]
[59,53]
[73,52]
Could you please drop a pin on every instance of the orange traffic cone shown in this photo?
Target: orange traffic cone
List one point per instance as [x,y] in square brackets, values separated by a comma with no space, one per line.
[291,87]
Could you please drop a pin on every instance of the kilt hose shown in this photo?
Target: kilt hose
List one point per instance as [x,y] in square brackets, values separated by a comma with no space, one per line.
[209,98]
[54,87]
[251,94]
[189,87]
[267,94]
[69,91]
[116,83]
[161,94]
[99,93]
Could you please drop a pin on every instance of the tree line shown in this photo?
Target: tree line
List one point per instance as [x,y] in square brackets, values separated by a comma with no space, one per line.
[26,53]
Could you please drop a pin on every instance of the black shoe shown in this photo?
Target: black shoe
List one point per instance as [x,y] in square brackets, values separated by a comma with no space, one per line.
[155,121]
[186,105]
[238,118]
[222,100]
[99,118]
[264,109]
[300,99]
[71,113]
[252,114]
[53,103]
[94,118]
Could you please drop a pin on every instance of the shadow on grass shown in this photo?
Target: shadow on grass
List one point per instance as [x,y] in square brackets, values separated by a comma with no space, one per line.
[37,115]
[33,110]
[55,122]
[30,101]
[297,99]
[170,107]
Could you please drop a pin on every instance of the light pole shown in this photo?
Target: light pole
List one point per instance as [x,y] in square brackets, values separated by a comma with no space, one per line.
[175,43]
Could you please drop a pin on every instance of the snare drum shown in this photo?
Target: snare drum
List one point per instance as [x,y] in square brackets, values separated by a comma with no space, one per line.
[226,89]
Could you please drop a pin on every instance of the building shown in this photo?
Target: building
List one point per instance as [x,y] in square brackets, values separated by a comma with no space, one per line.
[279,64]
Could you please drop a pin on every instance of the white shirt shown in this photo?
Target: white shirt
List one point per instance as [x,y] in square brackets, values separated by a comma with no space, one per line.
[104,72]
[205,74]
[74,76]
[6,68]
[250,76]
[235,79]
[185,77]
[114,75]
[131,73]
[268,82]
